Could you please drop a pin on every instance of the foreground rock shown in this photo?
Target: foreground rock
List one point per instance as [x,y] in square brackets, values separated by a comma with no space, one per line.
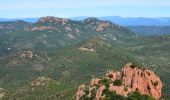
[131,79]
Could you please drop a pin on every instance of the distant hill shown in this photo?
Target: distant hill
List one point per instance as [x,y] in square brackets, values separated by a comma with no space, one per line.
[139,25]
[126,21]
[33,20]
[12,26]
[150,30]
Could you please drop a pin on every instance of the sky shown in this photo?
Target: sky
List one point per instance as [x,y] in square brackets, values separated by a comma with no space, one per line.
[93,8]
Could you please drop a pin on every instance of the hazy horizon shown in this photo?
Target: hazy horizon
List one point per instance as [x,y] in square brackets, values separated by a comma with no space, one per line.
[75,8]
[82,17]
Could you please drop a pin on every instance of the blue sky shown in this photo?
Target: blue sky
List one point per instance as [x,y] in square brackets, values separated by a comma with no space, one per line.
[73,8]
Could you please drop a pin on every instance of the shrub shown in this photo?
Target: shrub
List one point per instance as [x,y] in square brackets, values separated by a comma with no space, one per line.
[155,83]
[137,96]
[117,82]
[125,88]
[105,82]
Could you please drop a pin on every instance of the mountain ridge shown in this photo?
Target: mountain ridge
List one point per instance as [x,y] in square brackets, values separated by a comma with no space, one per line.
[125,21]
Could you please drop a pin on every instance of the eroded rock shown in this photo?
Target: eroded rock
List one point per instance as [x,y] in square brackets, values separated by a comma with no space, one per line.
[130,79]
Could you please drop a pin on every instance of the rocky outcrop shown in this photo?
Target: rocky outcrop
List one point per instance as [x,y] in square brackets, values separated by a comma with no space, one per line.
[40,81]
[2,93]
[101,26]
[131,78]
[53,20]
[26,54]
[87,47]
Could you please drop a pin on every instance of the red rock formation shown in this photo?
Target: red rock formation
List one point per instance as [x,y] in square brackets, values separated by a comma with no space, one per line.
[132,79]
[94,82]
[142,80]
[53,19]
[102,26]
[80,91]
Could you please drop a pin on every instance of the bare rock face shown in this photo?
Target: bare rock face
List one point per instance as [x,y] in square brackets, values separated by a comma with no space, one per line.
[80,91]
[131,78]
[142,80]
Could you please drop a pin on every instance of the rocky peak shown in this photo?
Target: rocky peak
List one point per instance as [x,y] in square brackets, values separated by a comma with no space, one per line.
[90,19]
[52,19]
[130,79]
[98,25]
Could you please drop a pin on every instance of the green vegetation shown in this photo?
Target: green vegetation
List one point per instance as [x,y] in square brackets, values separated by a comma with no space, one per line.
[58,57]
[117,82]
[153,52]
[137,96]
[111,95]
[150,30]
[105,82]
[155,83]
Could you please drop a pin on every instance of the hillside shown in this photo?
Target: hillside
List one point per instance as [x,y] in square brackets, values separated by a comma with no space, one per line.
[60,49]
[12,26]
[69,53]
[71,65]
[150,30]
[52,33]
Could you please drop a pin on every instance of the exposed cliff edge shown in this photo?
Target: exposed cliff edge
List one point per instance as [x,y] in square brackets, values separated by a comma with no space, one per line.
[131,79]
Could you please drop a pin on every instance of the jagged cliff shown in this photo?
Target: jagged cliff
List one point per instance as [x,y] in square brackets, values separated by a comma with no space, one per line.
[131,79]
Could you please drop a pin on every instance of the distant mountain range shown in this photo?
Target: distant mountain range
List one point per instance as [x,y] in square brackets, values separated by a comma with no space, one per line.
[124,21]
[33,20]
[150,30]
[140,25]
[130,21]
